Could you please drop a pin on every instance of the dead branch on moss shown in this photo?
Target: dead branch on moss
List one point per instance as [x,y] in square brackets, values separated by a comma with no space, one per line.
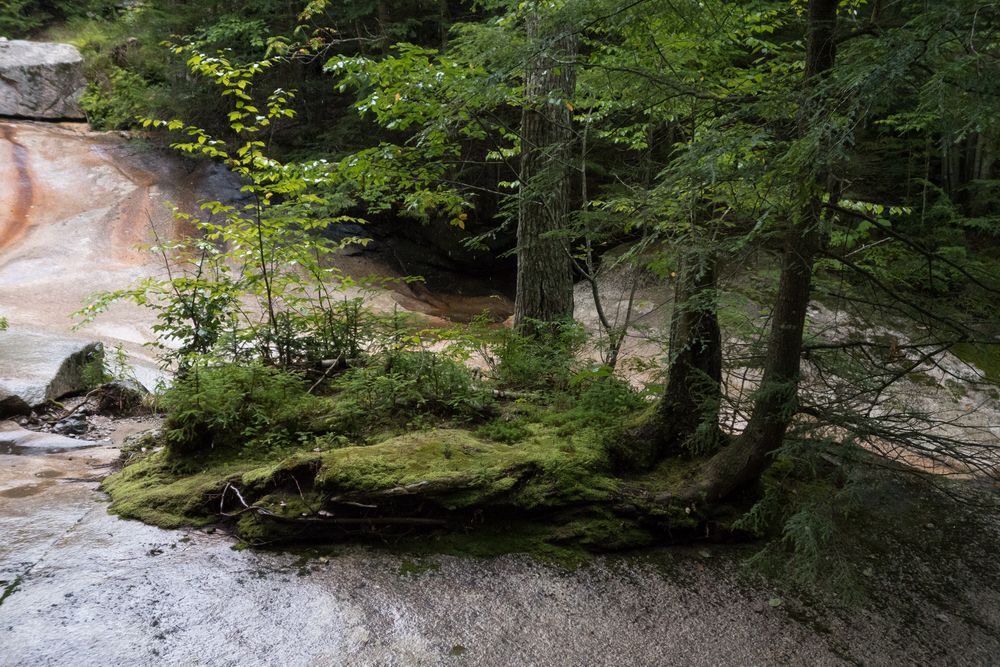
[318,518]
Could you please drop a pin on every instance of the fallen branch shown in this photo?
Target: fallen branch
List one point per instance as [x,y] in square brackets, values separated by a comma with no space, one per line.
[330,365]
[331,520]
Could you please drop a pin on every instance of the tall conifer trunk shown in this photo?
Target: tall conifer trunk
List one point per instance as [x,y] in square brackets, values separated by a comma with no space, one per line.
[686,419]
[544,263]
[689,410]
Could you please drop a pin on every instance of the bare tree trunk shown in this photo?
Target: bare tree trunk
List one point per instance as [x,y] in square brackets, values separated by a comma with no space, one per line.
[775,402]
[544,263]
[686,419]
[444,18]
[384,20]
[689,411]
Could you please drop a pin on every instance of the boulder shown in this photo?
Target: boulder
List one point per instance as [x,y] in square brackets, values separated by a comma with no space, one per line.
[40,80]
[75,425]
[12,405]
[38,367]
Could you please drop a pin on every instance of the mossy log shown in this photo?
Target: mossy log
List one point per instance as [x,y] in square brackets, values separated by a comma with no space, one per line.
[440,479]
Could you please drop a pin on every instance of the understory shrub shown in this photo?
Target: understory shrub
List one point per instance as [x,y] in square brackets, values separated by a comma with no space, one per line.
[543,361]
[400,384]
[504,430]
[813,514]
[230,406]
[116,104]
[19,18]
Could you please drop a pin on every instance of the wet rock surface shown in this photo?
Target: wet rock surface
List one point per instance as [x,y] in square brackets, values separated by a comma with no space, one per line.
[15,440]
[39,367]
[40,80]
[75,425]
[85,588]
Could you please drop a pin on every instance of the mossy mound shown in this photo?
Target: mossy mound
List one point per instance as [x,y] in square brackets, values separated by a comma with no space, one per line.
[442,480]
[458,470]
[157,491]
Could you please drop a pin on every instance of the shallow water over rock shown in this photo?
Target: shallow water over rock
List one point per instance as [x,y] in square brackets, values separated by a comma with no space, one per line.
[15,440]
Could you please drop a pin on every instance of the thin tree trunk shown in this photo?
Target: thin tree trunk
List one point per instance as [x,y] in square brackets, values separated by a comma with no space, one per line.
[775,402]
[444,17]
[689,411]
[544,263]
[686,419]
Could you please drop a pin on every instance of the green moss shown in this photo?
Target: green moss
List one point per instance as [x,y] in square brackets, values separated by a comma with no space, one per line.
[546,495]
[985,357]
[629,447]
[263,476]
[155,490]
[460,470]
[501,537]
[603,531]
[668,475]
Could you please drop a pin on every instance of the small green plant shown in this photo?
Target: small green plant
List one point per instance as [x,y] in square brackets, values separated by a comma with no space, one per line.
[504,430]
[404,384]
[94,372]
[116,104]
[538,362]
[254,282]
[809,513]
[234,406]
[103,368]
[119,367]
[603,393]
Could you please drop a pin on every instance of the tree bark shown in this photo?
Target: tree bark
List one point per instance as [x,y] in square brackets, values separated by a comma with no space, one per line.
[688,413]
[544,263]
[775,402]
[444,18]
[686,419]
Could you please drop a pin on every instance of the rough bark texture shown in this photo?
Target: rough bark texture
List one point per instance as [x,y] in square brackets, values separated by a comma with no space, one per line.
[691,399]
[775,402]
[686,418]
[544,264]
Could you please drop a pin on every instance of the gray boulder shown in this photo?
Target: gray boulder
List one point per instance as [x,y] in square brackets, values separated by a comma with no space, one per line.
[38,367]
[40,80]
[12,405]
